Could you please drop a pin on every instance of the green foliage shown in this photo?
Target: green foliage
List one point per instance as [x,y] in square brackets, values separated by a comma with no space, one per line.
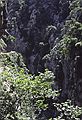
[8,98]
[11,38]
[11,59]
[67,111]
[24,96]
[39,88]
[8,38]
[72,30]
[27,92]
[75,4]
[72,35]
[2,45]
[65,44]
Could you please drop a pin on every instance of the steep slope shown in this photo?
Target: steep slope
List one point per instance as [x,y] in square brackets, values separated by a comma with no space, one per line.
[48,34]
[42,30]
[66,55]
[36,24]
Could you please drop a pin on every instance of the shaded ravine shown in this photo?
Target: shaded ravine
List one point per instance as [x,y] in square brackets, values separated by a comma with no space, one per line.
[37,27]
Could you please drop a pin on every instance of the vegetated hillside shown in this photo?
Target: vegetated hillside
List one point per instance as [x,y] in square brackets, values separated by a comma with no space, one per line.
[42,38]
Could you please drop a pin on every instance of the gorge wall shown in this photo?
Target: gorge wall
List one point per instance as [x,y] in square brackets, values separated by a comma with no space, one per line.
[38,27]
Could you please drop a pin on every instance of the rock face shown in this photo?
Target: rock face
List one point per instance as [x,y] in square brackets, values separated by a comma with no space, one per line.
[37,26]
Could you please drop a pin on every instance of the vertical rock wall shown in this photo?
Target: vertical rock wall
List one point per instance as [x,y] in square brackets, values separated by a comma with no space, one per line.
[36,24]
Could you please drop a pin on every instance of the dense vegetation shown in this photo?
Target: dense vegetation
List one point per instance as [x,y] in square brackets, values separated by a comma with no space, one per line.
[28,97]
[25,96]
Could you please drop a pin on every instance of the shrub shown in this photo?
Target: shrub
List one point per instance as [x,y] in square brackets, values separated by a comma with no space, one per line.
[25,94]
